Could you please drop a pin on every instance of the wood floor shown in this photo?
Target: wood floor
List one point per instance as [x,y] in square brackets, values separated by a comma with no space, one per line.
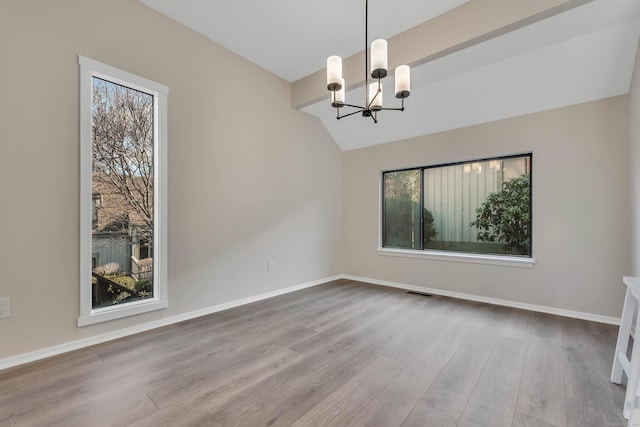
[339,354]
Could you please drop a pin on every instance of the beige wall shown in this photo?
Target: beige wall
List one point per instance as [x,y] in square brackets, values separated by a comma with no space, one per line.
[249,177]
[580,208]
[634,160]
[252,179]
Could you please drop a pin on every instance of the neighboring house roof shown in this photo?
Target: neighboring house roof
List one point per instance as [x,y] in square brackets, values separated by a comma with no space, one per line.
[113,211]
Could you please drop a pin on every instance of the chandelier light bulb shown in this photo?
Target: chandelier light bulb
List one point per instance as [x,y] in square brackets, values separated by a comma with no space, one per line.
[334,72]
[375,102]
[338,96]
[403,81]
[379,59]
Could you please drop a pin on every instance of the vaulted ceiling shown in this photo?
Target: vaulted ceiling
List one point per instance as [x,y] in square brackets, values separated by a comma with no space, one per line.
[473,61]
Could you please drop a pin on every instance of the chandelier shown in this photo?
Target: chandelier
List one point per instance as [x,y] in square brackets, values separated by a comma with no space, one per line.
[373,91]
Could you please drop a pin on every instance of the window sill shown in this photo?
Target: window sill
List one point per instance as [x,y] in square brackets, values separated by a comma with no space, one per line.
[124,310]
[505,261]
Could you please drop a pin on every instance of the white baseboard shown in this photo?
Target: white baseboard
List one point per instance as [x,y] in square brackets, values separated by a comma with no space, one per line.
[44,353]
[514,304]
[33,356]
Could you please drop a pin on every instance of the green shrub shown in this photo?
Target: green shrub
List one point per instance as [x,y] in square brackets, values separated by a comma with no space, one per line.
[429,229]
[504,216]
[144,286]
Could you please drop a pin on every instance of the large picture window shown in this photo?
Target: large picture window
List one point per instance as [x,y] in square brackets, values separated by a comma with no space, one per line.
[123,203]
[476,207]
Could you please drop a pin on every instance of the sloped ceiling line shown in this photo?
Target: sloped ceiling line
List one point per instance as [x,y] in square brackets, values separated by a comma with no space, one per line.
[493,58]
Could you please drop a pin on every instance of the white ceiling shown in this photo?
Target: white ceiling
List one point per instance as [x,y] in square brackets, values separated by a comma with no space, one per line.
[293,38]
[581,55]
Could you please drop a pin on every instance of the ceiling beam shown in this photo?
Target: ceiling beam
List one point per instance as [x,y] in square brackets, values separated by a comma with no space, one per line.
[470,24]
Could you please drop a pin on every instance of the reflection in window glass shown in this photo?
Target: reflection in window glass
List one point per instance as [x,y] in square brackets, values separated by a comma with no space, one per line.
[122,122]
[402,209]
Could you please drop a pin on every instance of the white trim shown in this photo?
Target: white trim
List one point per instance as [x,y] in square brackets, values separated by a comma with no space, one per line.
[506,303]
[33,356]
[121,77]
[456,161]
[502,260]
[90,68]
[380,204]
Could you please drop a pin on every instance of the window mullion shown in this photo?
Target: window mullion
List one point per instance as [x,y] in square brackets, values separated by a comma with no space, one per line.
[421,209]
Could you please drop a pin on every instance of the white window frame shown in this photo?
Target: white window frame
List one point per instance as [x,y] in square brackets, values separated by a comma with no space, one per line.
[90,68]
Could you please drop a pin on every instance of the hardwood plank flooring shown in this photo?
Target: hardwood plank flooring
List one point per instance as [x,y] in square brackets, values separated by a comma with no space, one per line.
[542,393]
[494,397]
[445,400]
[521,420]
[339,354]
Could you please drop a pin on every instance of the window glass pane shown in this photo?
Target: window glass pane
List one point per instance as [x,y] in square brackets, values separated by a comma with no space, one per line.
[402,209]
[122,125]
[480,207]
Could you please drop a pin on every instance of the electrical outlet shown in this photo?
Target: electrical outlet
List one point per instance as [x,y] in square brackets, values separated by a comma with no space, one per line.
[5,308]
[271,266]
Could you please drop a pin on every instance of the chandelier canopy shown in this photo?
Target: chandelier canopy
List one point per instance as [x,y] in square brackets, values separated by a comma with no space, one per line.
[373,91]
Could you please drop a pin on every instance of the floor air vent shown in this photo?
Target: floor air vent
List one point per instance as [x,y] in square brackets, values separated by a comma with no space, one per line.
[422,294]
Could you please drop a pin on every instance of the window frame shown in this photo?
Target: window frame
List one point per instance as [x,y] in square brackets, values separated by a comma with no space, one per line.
[90,68]
[455,256]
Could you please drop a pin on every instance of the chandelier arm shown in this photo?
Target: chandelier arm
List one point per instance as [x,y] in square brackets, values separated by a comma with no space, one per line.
[374,116]
[350,114]
[374,96]
[396,109]
[351,105]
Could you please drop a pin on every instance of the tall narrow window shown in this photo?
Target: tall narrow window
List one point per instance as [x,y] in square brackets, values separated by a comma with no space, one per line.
[123,145]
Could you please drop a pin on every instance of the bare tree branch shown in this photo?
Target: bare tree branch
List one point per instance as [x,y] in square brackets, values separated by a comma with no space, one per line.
[122,126]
